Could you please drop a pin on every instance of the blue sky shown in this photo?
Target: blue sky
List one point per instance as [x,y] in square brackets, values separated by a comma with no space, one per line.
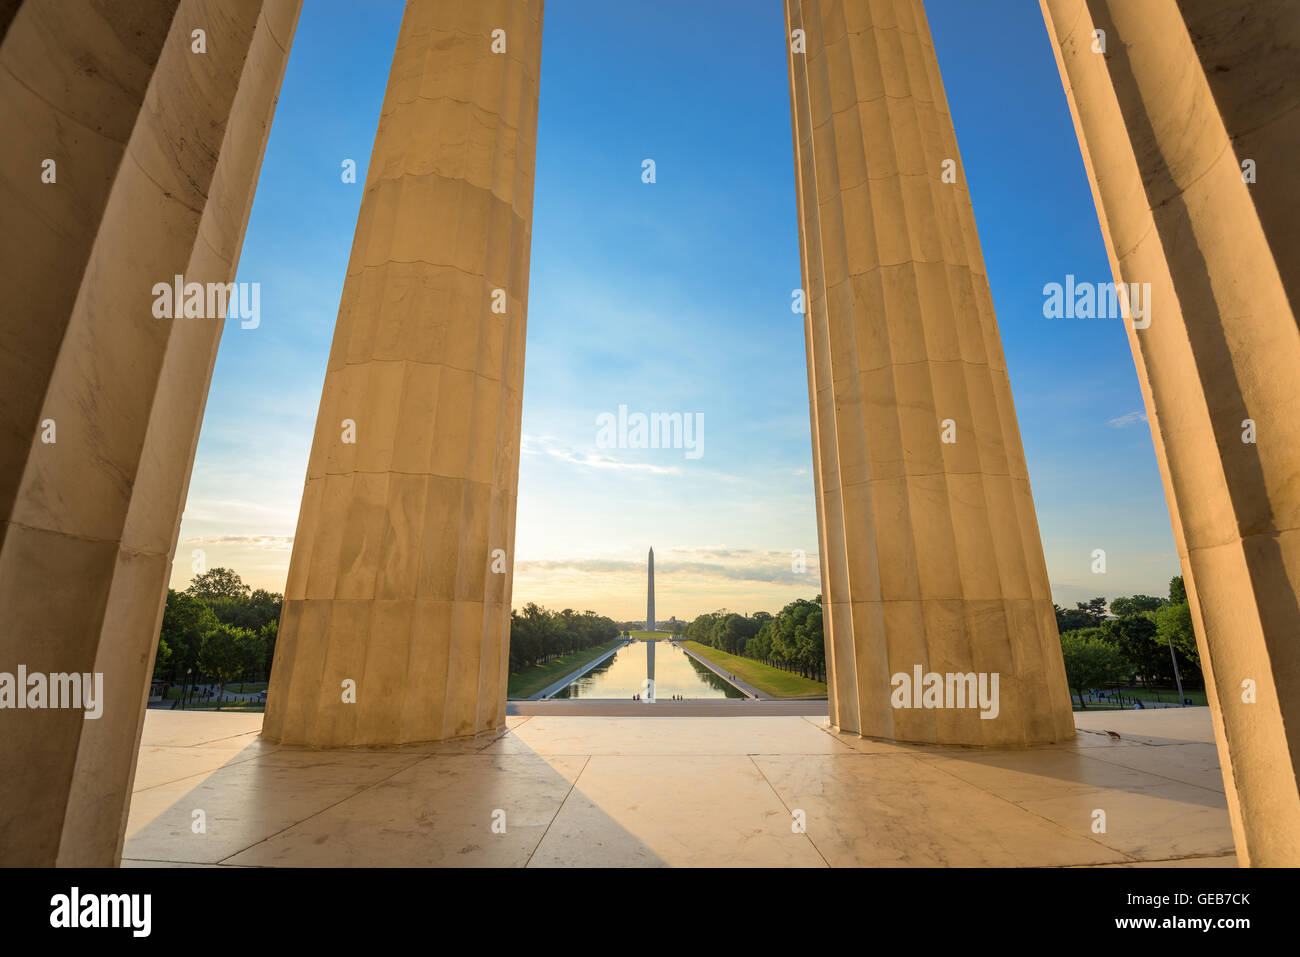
[675,297]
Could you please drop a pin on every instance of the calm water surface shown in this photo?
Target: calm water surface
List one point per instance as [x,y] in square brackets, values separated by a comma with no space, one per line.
[623,675]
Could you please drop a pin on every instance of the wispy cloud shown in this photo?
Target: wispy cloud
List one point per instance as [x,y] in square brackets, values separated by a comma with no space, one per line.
[595,460]
[273,542]
[770,566]
[1128,418]
[548,445]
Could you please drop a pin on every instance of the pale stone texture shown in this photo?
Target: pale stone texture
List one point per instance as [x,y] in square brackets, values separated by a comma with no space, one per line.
[930,549]
[643,791]
[157,151]
[393,582]
[1184,92]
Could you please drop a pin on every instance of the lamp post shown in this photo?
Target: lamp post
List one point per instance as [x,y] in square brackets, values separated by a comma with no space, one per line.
[185,699]
[1177,677]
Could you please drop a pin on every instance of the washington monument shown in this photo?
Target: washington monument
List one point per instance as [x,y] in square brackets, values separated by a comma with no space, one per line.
[650,595]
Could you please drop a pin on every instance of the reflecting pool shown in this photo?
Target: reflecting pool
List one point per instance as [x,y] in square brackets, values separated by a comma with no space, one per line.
[624,675]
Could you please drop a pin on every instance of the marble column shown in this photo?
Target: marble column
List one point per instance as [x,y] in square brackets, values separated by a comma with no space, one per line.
[153,152]
[929,542]
[397,608]
[1186,120]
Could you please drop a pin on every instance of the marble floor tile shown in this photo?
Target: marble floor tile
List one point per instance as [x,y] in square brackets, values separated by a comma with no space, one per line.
[679,791]
[545,734]
[458,810]
[247,802]
[1018,776]
[164,727]
[1167,821]
[891,811]
[1190,763]
[674,811]
[163,765]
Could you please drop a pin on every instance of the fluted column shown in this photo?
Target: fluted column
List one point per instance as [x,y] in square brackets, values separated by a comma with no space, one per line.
[929,542]
[1169,112]
[156,150]
[397,609]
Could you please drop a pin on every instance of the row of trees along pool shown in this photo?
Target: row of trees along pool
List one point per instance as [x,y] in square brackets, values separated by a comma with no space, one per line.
[538,635]
[221,630]
[1129,649]
[216,631]
[791,639]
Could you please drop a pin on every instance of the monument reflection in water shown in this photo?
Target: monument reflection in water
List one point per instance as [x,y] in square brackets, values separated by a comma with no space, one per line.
[624,675]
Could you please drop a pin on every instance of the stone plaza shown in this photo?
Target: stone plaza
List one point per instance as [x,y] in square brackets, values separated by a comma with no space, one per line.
[930,551]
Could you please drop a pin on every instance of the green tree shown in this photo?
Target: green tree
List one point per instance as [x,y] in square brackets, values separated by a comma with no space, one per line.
[1122,607]
[1085,614]
[217,583]
[247,611]
[186,621]
[1134,637]
[1090,662]
[252,654]
[268,633]
[537,634]
[221,655]
[1177,593]
[1094,608]
[161,658]
[1174,625]
[810,639]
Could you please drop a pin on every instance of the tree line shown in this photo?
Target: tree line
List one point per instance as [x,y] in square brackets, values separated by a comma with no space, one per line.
[538,634]
[792,639]
[1131,647]
[217,628]
[220,628]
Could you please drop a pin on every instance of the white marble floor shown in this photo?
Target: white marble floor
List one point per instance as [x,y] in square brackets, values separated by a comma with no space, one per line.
[784,791]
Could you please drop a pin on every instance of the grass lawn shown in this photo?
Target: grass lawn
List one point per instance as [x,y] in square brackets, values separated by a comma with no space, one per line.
[536,677]
[652,635]
[228,706]
[1161,695]
[248,687]
[773,681]
[1166,695]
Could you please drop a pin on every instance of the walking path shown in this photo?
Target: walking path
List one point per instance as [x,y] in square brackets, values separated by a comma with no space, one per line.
[207,694]
[570,678]
[667,708]
[726,676]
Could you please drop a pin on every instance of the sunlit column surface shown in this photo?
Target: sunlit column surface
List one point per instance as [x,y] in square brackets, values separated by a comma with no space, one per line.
[397,608]
[929,542]
[1186,115]
[156,148]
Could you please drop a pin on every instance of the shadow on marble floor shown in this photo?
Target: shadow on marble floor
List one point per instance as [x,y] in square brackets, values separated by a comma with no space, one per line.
[262,804]
[680,791]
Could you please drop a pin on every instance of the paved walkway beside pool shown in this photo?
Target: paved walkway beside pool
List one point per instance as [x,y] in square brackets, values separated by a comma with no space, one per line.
[726,676]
